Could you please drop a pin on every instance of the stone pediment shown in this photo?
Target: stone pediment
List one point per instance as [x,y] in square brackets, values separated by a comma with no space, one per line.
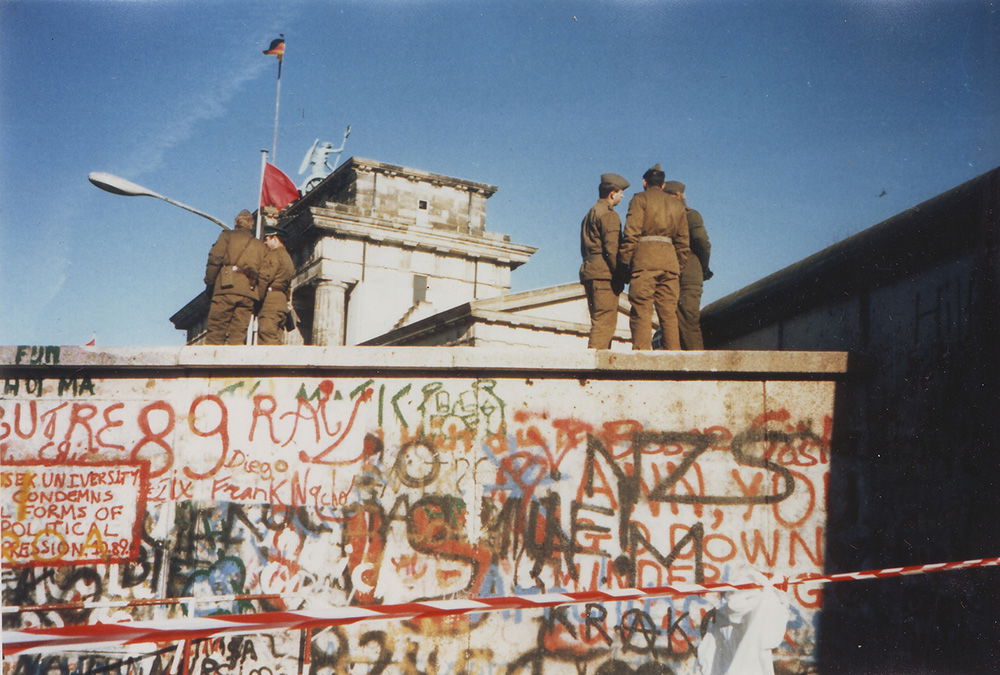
[341,222]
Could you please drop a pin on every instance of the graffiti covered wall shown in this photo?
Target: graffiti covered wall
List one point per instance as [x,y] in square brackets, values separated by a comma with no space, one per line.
[248,489]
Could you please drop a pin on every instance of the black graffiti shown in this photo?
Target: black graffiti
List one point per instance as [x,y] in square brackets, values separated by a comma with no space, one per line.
[383,645]
[158,662]
[637,626]
[533,661]
[637,633]
[695,536]
[551,541]
[377,653]
[594,616]
[628,483]
[417,464]
[33,386]
[327,649]
[277,518]
[203,535]
[148,565]
[198,525]
[533,527]
[737,446]
[616,667]
[37,355]
[226,655]
[60,585]
[541,537]
[641,623]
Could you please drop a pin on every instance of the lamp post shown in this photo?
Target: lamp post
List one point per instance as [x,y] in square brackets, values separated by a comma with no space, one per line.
[119,186]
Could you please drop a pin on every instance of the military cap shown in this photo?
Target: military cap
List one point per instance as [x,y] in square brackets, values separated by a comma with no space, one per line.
[244,220]
[614,180]
[655,170]
[673,186]
[271,231]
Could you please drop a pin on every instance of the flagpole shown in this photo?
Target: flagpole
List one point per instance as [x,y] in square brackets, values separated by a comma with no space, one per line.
[277,108]
[252,327]
[260,191]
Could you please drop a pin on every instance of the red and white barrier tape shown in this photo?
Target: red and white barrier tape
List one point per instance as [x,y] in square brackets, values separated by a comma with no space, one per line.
[130,632]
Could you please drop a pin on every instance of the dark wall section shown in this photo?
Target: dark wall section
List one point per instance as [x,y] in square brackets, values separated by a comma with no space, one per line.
[916,460]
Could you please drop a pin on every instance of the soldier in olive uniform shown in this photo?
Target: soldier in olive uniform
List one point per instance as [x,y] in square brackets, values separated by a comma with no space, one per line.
[234,264]
[276,279]
[694,274]
[654,247]
[600,233]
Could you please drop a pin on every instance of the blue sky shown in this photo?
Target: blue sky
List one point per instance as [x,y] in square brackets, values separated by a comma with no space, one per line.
[786,120]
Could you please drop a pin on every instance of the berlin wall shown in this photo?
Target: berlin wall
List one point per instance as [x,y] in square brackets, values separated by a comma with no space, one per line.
[173,484]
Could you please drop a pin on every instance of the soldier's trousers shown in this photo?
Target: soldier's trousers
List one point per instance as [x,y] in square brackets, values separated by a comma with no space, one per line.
[270,321]
[228,318]
[649,291]
[603,305]
[689,313]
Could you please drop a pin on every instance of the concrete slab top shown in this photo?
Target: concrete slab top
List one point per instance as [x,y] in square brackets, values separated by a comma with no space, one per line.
[512,361]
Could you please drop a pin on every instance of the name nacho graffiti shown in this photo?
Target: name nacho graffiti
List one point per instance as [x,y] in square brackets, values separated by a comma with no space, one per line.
[291,492]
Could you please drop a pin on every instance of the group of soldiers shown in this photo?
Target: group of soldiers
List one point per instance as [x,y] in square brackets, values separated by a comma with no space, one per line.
[662,254]
[246,276]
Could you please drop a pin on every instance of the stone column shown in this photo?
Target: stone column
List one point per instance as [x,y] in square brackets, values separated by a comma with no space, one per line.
[330,312]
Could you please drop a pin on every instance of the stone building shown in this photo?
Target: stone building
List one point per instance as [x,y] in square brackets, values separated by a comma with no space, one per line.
[379,246]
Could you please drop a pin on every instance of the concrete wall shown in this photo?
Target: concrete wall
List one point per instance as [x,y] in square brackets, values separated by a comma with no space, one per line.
[379,475]
[917,297]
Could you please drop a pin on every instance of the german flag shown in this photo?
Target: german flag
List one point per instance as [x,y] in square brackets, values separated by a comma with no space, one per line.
[277,47]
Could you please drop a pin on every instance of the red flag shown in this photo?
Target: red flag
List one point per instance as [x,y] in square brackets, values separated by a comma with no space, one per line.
[277,48]
[278,189]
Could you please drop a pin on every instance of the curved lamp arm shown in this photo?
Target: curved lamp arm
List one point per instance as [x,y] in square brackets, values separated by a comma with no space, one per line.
[119,186]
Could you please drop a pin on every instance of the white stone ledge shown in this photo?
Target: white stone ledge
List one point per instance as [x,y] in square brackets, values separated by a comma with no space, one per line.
[515,360]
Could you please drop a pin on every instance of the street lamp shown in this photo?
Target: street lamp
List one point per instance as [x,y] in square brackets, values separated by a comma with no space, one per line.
[119,186]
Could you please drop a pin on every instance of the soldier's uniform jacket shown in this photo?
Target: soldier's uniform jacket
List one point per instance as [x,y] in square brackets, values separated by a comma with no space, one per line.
[701,247]
[656,233]
[600,232]
[277,271]
[234,264]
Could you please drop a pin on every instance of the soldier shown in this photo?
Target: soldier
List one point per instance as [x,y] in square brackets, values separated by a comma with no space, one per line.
[276,279]
[231,276]
[600,233]
[693,275]
[654,247]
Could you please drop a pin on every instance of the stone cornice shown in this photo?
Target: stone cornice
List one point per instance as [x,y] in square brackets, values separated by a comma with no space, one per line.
[436,179]
[353,226]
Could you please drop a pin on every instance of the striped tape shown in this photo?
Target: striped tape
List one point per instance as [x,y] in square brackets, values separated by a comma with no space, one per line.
[131,632]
